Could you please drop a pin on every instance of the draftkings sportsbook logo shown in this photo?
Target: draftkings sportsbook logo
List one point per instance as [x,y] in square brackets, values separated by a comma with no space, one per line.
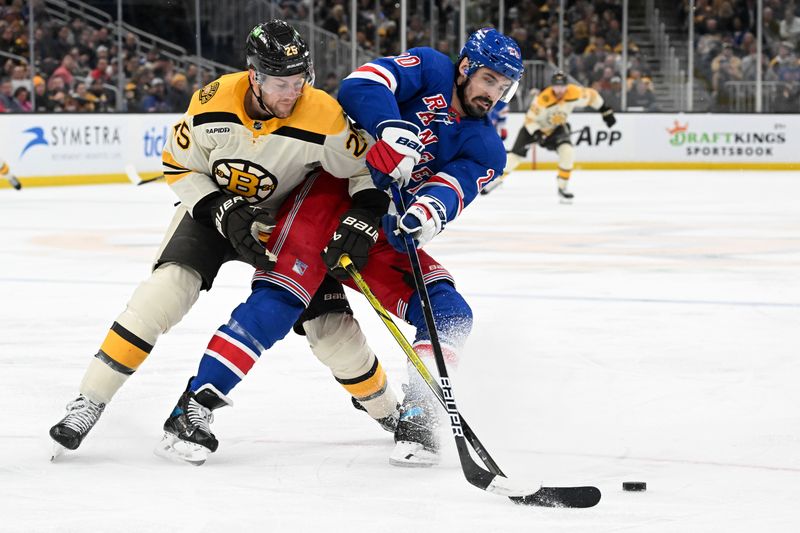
[746,143]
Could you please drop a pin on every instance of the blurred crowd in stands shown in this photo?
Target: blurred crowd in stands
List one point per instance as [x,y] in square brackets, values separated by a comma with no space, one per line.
[77,67]
[726,49]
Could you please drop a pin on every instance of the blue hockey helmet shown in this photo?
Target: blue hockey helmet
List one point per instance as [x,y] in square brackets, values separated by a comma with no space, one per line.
[489,48]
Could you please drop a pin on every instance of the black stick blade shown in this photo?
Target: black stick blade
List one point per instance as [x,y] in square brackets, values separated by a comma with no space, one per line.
[572,497]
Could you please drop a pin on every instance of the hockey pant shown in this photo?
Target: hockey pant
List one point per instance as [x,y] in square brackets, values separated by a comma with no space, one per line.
[280,296]
[188,260]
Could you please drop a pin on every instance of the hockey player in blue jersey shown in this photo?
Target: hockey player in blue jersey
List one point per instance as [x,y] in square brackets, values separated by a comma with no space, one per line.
[434,139]
[431,135]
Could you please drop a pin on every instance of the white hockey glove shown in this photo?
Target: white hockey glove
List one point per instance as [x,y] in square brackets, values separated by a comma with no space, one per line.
[424,219]
[396,153]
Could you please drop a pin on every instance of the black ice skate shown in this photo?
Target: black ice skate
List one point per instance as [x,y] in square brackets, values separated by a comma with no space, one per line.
[564,196]
[82,415]
[187,433]
[417,433]
[388,423]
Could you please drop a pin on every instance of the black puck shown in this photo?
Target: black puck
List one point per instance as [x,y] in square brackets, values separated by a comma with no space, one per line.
[634,486]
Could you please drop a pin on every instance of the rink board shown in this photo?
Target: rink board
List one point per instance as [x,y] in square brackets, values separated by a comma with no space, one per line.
[675,141]
[72,149]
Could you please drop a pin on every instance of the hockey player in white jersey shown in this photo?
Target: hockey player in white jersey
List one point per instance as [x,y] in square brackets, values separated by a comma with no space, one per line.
[5,172]
[249,147]
[546,124]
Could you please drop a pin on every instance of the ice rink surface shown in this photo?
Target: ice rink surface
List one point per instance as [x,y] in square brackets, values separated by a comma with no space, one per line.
[649,332]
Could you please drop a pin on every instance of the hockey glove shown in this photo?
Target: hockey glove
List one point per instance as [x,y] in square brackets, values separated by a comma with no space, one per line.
[423,220]
[357,232]
[503,134]
[608,115]
[538,137]
[239,222]
[396,153]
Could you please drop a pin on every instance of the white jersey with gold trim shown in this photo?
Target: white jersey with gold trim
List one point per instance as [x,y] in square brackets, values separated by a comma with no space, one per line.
[547,112]
[216,145]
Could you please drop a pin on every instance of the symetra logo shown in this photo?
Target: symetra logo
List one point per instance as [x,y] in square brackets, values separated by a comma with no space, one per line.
[154,142]
[725,143]
[69,140]
[38,138]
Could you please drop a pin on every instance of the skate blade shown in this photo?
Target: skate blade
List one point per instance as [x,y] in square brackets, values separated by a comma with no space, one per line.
[58,451]
[174,449]
[412,455]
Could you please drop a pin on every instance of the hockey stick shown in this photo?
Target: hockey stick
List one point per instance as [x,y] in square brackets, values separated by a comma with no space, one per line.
[492,480]
[136,179]
[348,265]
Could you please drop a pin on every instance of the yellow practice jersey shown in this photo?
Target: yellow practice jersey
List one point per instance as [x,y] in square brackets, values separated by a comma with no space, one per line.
[547,113]
[216,145]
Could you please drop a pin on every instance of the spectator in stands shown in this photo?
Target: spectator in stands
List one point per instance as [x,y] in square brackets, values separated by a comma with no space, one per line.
[725,16]
[641,98]
[520,35]
[104,99]
[613,95]
[725,56]
[7,95]
[785,58]
[443,46]
[20,77]
[331,84]
[57,100]
[750,64]
[191,77]
[64,71]
[788,98]
[178,96]
[63,42]
[42,97]
[130,45]
[22,100]
[790,25]
[100,72]
[155,101]
[772,29]
[132,98]
[335,19]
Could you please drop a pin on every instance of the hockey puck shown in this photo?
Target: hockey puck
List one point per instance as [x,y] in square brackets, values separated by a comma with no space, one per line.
[634,486]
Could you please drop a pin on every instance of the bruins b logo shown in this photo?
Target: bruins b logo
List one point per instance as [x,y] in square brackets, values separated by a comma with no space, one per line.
[208,92]
[244,178]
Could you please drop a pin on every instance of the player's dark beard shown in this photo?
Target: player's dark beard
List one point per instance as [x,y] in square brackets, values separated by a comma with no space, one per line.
[470,110]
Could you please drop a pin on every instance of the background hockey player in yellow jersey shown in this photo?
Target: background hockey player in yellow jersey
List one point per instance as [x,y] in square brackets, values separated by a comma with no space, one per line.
[5,172]
[546,124]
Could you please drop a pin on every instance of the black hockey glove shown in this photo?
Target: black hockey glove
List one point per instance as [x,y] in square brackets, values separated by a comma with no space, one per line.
[537,137]
[357,231]
[608,115]
[237,221]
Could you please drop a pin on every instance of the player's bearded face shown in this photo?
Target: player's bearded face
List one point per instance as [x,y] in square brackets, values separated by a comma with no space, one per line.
[280,93]
[482,91]
[559,90]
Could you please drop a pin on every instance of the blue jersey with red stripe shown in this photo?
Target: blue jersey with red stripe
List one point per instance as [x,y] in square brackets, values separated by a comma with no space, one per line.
[462,154]
[499,114]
